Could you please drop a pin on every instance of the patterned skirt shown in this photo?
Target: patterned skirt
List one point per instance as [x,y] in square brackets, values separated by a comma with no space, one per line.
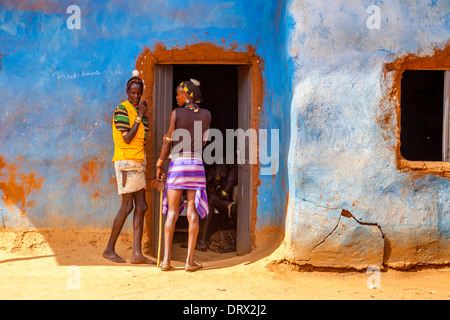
[187,173]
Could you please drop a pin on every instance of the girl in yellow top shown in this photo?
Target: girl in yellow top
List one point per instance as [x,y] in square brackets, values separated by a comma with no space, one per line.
[130,128]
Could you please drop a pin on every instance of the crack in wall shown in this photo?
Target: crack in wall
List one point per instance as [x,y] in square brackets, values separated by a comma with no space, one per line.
[347,214]
[387,245]
[326,237]
[318,205]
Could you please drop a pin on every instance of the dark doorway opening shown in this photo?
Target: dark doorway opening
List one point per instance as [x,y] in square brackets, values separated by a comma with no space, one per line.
[422,93]
[219,90]
[226,91]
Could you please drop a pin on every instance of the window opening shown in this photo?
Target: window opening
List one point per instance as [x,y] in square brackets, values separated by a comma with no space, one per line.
[423,124]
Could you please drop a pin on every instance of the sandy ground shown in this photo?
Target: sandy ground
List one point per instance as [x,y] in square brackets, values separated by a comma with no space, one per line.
[55,264]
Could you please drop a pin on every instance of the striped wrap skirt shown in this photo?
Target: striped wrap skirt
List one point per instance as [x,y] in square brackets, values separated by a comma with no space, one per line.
[187,173]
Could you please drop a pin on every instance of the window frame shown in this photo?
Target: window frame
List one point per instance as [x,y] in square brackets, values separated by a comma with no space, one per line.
[442,167]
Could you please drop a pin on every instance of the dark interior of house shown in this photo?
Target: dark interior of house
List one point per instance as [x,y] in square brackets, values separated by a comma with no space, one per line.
[219,89]
[422,115]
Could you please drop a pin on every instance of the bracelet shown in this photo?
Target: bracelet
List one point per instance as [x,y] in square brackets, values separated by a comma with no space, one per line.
[224,193]
[138,119]
[159,163]
[166,138]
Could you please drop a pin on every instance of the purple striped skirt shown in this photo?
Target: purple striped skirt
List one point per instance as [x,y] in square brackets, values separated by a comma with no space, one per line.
[188,174]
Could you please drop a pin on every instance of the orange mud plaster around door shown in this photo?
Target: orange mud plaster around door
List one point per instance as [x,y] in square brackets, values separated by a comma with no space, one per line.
[440,60]
[205,53]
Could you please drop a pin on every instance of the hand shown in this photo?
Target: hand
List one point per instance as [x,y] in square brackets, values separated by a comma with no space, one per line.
[159,173]
[142,109]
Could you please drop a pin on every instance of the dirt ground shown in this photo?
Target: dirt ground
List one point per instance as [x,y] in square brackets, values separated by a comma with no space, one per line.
[57,264]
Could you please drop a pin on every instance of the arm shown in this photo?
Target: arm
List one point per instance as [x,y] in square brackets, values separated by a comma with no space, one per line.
[230,183]
[166,145]
[129,135]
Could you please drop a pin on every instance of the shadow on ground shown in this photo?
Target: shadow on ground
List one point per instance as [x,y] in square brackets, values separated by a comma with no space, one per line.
[85,248]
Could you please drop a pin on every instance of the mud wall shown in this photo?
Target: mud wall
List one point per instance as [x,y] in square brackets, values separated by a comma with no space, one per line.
[353,201]
[59,87]
[330,85]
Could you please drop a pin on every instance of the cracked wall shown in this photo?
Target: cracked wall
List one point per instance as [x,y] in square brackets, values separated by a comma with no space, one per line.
[350,243]
[343,154]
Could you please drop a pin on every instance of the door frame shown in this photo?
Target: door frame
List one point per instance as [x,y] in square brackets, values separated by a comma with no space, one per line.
[204,53]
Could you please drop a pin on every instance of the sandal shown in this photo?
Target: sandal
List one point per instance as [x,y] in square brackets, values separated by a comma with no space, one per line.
[164,266]
[194,267]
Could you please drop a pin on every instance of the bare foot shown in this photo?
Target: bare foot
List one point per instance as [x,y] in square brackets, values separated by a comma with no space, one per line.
[112,256]
[141,260]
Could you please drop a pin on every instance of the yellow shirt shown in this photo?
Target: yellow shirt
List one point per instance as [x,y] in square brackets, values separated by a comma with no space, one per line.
[135,150]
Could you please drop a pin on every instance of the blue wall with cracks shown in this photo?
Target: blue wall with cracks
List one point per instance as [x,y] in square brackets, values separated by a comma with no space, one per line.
[325,89]
[341,157]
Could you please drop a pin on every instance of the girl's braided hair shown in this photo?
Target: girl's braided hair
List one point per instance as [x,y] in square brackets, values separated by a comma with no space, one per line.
[192,88]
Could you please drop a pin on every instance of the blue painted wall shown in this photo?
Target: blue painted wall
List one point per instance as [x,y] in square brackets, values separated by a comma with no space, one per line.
[341,157]
[59,87]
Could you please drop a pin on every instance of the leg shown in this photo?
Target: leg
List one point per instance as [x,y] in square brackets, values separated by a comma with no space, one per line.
[173,199]
[209,224]
[204,231]
[124,211]
[138,226]
[193,218]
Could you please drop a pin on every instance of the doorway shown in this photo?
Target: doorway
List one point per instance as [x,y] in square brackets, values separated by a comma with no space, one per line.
[226,93]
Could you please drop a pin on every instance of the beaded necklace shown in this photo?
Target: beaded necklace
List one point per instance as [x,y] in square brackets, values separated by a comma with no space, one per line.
[193,106]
